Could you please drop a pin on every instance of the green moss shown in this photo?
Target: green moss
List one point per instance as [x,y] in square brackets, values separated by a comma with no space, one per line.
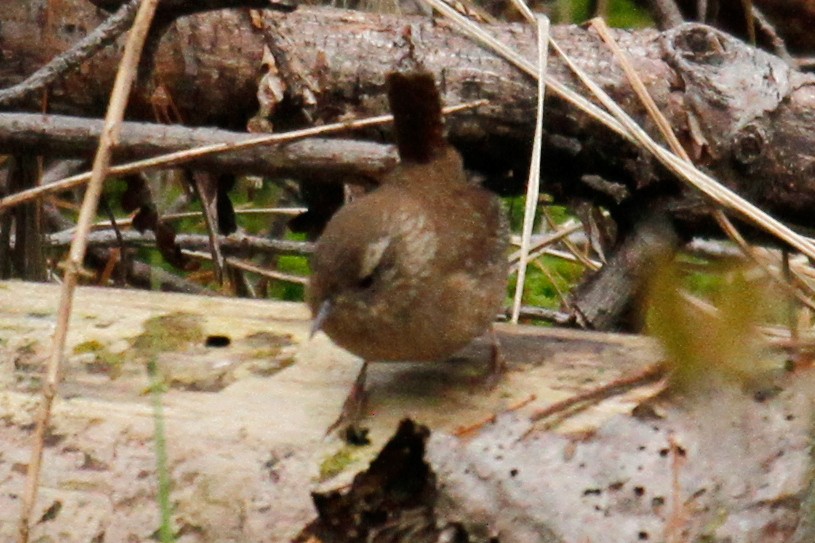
[104,360]
[336,463]
[171,332]
[90,346]
[515,210]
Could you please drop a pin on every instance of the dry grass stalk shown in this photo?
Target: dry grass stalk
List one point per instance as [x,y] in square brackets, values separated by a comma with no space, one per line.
[533,183]
[118,100]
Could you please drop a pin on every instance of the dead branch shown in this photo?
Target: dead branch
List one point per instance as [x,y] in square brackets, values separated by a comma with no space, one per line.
[62,136]
[234,244]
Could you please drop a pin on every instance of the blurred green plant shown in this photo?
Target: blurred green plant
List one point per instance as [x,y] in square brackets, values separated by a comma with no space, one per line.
[704,346]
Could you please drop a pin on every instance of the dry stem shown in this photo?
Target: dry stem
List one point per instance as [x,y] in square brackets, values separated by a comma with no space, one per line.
[118,100]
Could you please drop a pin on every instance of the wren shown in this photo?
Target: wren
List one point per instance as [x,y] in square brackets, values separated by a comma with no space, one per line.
[416,269]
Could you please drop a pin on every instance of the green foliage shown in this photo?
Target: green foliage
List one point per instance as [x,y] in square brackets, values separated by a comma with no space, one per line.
[549,274]
[515,211]
[627,14]
[292,292]
[114,189]
[296,265]
[621,13]
[540,289]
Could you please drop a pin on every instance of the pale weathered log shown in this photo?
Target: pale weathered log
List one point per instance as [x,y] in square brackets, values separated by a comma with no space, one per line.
[246,422]
[249,398]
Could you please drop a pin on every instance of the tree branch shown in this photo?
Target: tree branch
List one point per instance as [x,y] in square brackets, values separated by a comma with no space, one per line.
[59,135]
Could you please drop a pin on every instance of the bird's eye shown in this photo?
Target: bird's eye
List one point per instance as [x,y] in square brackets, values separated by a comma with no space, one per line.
[366,282]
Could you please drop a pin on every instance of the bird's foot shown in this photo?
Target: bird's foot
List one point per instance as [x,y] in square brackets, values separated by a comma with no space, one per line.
[348,422]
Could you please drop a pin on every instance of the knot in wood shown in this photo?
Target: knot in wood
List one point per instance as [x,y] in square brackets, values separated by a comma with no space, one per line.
[748,145]
[700,44]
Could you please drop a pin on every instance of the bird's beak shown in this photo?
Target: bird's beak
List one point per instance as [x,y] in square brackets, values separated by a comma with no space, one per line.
[319,319]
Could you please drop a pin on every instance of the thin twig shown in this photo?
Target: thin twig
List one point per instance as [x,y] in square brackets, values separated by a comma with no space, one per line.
[541,243]
[564,299]
[118,100]
[779,46]
[568,256]
[138,273]
[549,315]
[522,7]
[253,244]
[652,373]
[250,267]
[114,225]
[578,255]
[202,184]
[127,221]
[677,518]
[464,431]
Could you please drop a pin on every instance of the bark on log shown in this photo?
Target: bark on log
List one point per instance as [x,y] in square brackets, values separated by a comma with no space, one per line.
[791,19]
[613,298]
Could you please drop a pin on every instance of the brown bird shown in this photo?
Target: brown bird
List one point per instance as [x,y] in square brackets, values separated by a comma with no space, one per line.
[416,269]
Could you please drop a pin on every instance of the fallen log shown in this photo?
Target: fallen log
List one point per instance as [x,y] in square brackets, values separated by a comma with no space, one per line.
[248,399]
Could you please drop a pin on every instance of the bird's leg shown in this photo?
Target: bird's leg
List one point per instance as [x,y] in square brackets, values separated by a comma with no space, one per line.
[351,413]
[498,364]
